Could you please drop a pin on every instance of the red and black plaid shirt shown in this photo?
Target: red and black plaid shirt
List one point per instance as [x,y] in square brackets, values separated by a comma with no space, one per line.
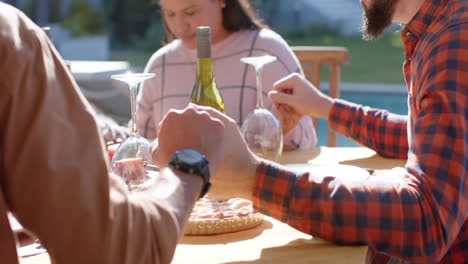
[422,218]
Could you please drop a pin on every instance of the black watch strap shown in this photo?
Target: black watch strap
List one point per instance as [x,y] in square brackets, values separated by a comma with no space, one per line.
[193,162]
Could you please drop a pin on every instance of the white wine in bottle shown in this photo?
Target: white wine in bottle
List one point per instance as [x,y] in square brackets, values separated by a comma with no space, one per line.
[204,91]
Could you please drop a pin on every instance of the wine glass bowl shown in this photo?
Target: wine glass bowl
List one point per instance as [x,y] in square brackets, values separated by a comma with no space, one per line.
[132,159]
[262,130]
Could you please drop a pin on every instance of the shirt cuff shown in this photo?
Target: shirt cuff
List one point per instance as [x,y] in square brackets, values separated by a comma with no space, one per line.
[272,190]
[341,115]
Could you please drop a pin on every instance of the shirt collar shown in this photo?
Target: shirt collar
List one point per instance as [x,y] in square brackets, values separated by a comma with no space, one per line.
[428,12]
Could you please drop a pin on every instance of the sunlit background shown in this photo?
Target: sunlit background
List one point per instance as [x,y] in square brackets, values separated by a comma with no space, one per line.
[130,31]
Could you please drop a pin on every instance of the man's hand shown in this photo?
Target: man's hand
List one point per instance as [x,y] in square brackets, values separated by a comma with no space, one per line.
[288,117]
[236,176]
[189,128]
[206,129]
[295,91]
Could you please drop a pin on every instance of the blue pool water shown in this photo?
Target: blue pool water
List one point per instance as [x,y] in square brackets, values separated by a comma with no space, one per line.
[395,103]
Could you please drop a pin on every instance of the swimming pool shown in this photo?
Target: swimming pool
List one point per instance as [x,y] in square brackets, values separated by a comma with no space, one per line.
[394,102]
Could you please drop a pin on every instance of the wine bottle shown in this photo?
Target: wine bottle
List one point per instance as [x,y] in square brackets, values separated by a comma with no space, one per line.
[204,91]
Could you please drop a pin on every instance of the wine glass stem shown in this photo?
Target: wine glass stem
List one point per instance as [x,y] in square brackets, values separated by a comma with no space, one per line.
[133,93]
[258,71]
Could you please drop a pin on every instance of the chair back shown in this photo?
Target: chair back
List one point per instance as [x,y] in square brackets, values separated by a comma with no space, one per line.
[312,58]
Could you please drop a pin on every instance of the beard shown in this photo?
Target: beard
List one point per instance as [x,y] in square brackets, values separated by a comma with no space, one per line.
[376,18]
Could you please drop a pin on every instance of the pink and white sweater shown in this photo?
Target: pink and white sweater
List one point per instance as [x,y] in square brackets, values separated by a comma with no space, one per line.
[175,67]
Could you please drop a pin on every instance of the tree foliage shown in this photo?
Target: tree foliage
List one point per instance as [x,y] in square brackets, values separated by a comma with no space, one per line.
[84,19]
[269,9]
[129,20]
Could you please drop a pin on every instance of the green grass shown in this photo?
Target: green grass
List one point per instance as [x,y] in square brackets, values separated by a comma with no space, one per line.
[378,61]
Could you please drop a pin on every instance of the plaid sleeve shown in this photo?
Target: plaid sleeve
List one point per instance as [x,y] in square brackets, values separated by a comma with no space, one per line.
[392,217]
[271,197]
[384,132]
[438,151]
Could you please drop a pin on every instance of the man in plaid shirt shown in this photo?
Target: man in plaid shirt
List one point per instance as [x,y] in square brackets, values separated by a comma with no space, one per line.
[422,218]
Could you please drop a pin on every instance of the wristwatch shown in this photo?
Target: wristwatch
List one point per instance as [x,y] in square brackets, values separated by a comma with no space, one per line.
[192,162]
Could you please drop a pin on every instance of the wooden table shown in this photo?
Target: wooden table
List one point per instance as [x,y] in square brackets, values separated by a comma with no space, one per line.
[275,242]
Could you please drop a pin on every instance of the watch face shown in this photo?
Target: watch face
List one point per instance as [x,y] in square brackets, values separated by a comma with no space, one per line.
[190,156]
[192,162]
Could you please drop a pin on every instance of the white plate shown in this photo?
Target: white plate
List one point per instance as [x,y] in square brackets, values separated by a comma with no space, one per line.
[345,173]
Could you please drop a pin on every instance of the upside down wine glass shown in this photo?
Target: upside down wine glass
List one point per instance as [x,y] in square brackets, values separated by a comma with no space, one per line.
[262,130]
[132,159]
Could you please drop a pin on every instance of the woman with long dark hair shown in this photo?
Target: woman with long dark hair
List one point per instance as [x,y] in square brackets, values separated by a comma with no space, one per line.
[237,31]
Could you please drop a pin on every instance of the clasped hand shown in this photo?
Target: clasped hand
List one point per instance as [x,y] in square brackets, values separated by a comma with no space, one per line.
[217,136]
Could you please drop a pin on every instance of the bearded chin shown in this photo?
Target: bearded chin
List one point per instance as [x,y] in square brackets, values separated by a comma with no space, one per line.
[376,19]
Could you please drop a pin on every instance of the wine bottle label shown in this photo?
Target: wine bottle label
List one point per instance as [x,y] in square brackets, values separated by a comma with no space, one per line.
[204,42]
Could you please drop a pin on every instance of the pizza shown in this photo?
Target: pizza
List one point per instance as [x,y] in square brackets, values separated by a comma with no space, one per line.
[212,215]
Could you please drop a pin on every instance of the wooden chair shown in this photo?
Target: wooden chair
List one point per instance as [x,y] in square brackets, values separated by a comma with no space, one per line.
[312,59]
